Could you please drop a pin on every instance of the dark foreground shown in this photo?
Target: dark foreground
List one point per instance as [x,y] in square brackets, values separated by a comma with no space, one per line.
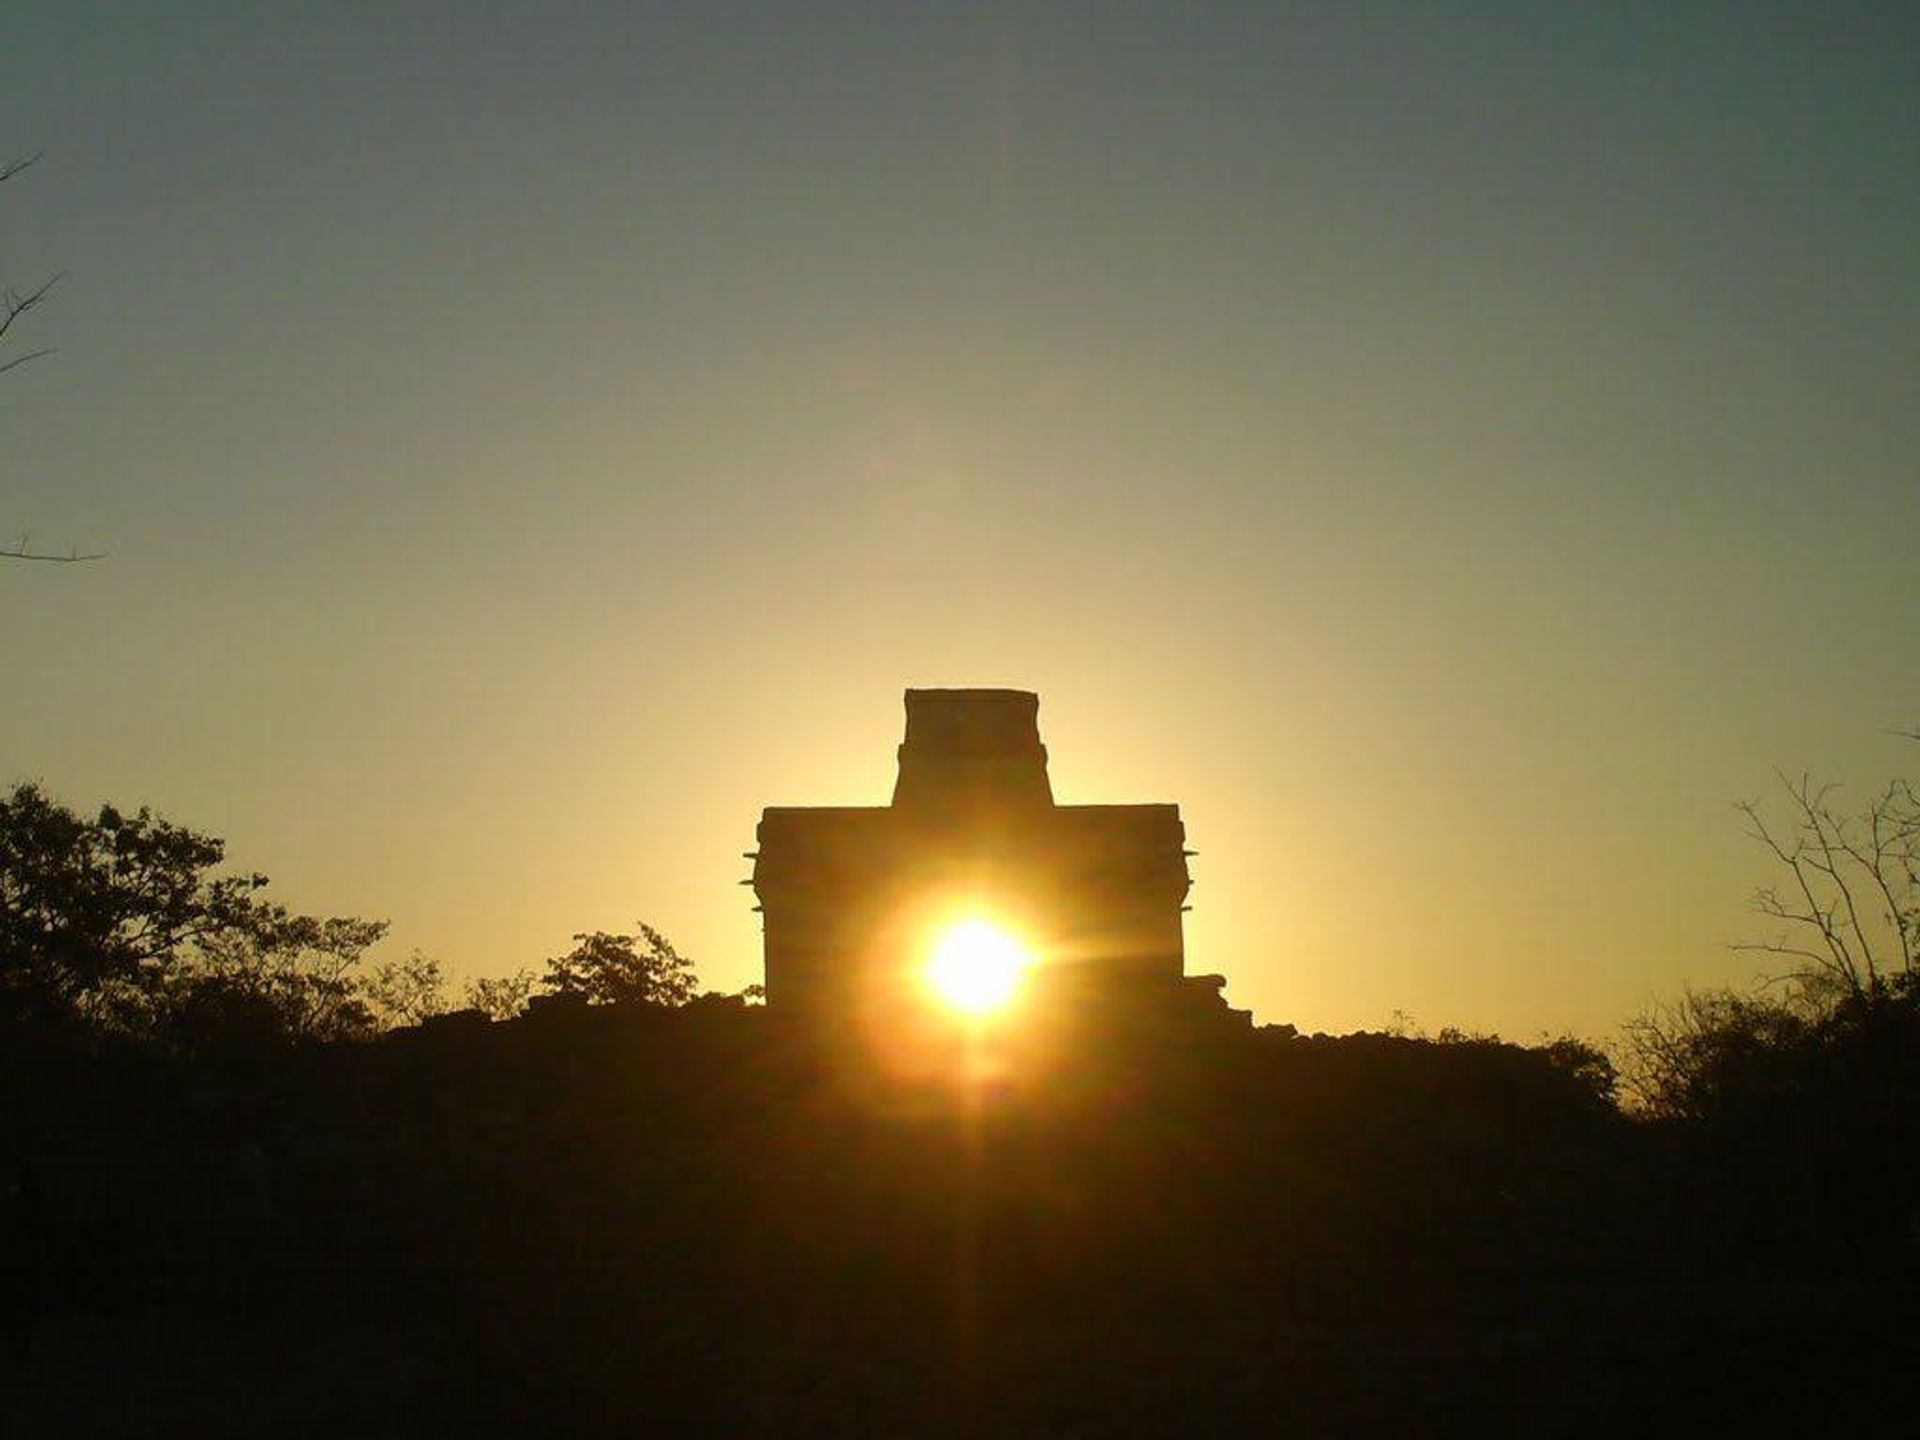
[687,1223]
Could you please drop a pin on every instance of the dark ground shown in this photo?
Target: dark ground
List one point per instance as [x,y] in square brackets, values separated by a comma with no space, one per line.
[692,1223]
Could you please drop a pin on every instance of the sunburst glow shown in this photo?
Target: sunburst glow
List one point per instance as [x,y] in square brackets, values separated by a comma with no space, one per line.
[976,966]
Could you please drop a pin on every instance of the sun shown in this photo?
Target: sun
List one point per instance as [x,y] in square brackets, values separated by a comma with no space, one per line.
[976,967]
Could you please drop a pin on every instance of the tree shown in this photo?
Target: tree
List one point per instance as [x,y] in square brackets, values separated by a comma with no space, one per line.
[1849,902]
[503,997]
[1587,1065]
[1842,1017]
[274,977]
[1715,1053]
[406,992]
[606,969]
[121,923]
[92,911]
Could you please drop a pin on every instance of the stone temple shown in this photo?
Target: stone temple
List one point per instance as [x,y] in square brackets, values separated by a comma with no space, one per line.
[851,895]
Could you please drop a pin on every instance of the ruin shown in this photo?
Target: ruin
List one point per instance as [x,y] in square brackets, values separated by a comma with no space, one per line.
[850,895]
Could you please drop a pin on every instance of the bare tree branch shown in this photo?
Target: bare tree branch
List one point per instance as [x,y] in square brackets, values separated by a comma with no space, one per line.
[19,360]
[1820,821]
[13,167]
[13,305]
[1855,885]
[1821,917]
[24,551]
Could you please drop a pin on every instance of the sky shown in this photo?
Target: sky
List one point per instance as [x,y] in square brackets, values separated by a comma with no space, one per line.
[1454,451]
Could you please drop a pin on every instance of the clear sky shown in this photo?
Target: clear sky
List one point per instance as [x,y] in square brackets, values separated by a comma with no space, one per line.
[1453,450]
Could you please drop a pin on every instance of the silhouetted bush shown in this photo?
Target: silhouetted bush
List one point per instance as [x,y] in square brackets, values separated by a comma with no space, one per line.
[606,969]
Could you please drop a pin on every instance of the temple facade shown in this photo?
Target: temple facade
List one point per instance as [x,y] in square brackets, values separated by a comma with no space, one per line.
[851,895]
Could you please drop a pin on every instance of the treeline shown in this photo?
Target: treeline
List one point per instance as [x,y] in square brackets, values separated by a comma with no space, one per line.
[121,928]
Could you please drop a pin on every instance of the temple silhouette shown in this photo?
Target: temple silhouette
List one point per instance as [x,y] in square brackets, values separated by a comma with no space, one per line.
[850,895]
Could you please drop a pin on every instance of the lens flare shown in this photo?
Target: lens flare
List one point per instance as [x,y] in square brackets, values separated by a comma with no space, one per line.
[976,967]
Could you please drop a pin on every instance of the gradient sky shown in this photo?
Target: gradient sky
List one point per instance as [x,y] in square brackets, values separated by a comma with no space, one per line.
[1455,451]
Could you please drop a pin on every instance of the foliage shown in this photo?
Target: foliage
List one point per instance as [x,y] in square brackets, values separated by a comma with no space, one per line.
[1586,1064]
[1712,1051]
[1834,1027]
[277,977]
[406,992]
[119,923]
[606,969]
[501,997]
[93,911]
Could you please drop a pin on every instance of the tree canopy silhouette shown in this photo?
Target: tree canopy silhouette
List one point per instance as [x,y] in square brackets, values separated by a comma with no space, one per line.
[606,969]
[121,923]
